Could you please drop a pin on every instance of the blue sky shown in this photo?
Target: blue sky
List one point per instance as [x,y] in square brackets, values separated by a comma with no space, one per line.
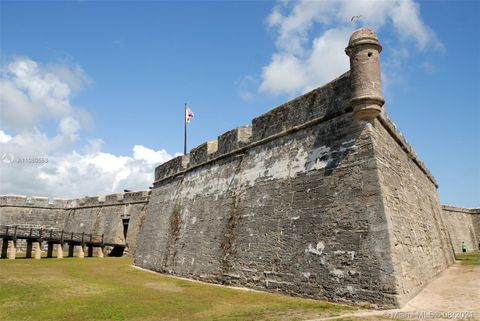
[130,66]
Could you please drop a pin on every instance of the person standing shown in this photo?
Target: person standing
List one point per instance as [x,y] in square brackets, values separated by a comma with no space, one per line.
[464,247]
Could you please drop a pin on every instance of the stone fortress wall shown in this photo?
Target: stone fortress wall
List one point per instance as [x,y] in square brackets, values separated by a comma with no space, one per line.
[320,197]
[98,215]
[463,226]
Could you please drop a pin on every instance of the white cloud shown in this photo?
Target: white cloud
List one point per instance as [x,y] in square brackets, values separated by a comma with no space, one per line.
[76,174]
[285,73]
[4,137]
[149,156]
[247,87]
[69,126]
[289,73]
[408,25]
[304,61]
[50,165]
[32,93]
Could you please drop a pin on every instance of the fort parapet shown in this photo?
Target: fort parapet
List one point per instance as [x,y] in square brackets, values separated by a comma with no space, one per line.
[320,197]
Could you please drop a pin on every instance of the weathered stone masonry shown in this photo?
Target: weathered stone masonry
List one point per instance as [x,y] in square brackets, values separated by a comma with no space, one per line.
[321,197]
[97,215]
[463,226]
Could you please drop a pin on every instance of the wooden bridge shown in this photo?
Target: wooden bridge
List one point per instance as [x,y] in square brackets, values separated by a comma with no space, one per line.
[34,237]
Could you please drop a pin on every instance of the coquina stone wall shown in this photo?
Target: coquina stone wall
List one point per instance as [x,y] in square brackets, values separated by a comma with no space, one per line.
[463,226]
[476,221]
[36,211]
[419,243]
[308,201]
[96,215]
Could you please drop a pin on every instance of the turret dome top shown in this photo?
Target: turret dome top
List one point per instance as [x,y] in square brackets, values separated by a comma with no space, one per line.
[363,37]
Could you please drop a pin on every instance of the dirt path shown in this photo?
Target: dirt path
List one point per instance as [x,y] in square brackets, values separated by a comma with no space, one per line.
[455,291]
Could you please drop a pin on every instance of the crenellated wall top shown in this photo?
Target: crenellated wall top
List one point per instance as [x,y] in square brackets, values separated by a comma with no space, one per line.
[320,104]
[60,203]
[458,209]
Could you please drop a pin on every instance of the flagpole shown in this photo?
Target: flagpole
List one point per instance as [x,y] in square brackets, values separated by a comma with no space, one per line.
[185,134]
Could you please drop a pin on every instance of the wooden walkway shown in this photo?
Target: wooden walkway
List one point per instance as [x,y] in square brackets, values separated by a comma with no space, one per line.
[36,235]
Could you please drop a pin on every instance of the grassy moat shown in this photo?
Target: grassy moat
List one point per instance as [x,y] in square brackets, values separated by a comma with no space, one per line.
[73,289]
[472,258]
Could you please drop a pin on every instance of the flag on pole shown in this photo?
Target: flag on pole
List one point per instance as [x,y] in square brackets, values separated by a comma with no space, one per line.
[188,115]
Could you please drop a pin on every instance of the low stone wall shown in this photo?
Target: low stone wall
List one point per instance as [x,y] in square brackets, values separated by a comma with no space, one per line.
[463,225]
[92,215]
[37,211]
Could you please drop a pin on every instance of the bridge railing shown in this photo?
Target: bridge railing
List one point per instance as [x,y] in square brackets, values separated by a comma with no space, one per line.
[47,234]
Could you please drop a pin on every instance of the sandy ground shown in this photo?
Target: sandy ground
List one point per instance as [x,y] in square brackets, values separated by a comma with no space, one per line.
[457,289]
[454,295]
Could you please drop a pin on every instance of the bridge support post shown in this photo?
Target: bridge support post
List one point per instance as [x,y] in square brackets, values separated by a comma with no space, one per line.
[4,248]
[71,248]
[50,250]
[12,250]
[81,253]
[28,253]
[38,250]
[90,251]
[60,251]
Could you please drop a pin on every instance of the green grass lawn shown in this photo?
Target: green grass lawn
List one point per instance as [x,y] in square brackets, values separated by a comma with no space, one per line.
[469,258]
[74,289]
